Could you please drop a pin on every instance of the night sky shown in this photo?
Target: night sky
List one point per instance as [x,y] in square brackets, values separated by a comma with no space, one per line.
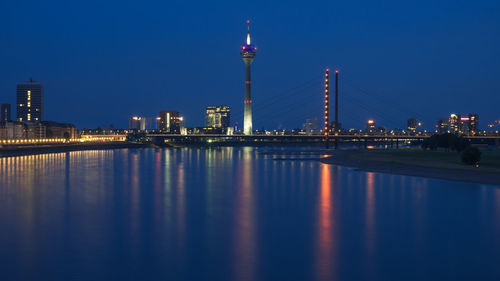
[104,61]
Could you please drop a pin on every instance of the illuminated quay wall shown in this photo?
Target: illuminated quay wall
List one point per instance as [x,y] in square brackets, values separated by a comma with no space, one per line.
[82,139]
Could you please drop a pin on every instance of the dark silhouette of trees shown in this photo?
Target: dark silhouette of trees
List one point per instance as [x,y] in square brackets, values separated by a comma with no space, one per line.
[471,156]
[447,142]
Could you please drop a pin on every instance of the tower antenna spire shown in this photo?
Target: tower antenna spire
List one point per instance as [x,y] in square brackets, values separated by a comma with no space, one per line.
[248,33]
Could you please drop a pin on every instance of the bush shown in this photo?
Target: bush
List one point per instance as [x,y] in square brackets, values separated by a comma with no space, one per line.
[471,156]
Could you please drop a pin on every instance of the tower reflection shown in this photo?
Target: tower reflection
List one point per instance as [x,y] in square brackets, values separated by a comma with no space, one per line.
[245,234]
[370,222]
[326,262]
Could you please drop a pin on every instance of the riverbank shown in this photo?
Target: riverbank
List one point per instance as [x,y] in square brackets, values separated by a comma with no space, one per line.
[416,162]
[10,151]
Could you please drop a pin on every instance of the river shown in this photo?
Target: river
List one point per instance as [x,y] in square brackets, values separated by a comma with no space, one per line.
[235,214]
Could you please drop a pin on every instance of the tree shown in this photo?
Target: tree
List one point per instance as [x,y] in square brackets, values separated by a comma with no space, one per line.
[471,156]
[446,141]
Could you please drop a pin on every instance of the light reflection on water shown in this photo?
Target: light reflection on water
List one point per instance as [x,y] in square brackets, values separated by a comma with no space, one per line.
[233,214]
[326,236]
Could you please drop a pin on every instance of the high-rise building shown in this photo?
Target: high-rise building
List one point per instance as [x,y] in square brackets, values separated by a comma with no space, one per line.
[5,112]
[454,123]
[137,123]
[412,125]
[248,53]
[310,127]
[473,123]
[29,102]
[464,126]
[170,121]
[443,126]
[370,127]
[218,116]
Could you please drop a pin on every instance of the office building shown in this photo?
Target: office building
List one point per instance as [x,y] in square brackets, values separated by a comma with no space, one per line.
[218,116]
[29,102]
[60,130]
[412,125]
[310,127]
[12,130]
[370,127]
[457,124]
[473,124]
[5,112]
[443,126]
[170,121]
[139,123]
[454,123]
[35,130]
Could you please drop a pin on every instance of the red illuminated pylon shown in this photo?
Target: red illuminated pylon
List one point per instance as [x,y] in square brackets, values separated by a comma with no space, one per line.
[327,100]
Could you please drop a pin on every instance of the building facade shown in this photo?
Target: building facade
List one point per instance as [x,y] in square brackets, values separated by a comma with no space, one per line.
[412,125]
[474,124]
[60,130]
[310,127]
[456,124]
[170,121]
[5,112]
[443,126]
[35,130]
[218,116]
[29,102]
[139,123]
[12,130]
[370,127]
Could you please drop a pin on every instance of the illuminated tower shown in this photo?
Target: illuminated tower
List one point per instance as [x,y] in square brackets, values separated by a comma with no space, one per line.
[327,105]
[248,52]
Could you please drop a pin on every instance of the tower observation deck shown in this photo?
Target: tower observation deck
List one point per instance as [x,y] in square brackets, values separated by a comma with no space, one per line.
[248,53]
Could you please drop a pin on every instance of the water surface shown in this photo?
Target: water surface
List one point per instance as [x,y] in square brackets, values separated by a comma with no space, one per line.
[234,214]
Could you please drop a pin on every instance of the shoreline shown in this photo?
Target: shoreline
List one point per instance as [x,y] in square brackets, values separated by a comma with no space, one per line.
[58,148]
[365,162]
[379,161]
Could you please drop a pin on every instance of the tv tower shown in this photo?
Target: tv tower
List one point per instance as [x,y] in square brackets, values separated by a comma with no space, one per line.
[248,52]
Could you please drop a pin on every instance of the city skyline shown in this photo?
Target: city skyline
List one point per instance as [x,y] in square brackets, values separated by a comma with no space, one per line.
[113,85]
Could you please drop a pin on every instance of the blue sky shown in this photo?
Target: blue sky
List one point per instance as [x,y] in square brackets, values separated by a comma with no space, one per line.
[101,63]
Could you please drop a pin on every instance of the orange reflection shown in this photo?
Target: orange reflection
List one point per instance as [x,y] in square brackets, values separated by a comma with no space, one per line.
[370,220]
[326,261]
[245,241]
[181,206]
[157,186]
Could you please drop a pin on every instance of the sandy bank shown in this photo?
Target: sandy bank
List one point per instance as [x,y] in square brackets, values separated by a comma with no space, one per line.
[402,165]
[10,151]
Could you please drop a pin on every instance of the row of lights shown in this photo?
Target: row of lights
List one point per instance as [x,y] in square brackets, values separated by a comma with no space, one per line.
[83,139]
[37,141]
